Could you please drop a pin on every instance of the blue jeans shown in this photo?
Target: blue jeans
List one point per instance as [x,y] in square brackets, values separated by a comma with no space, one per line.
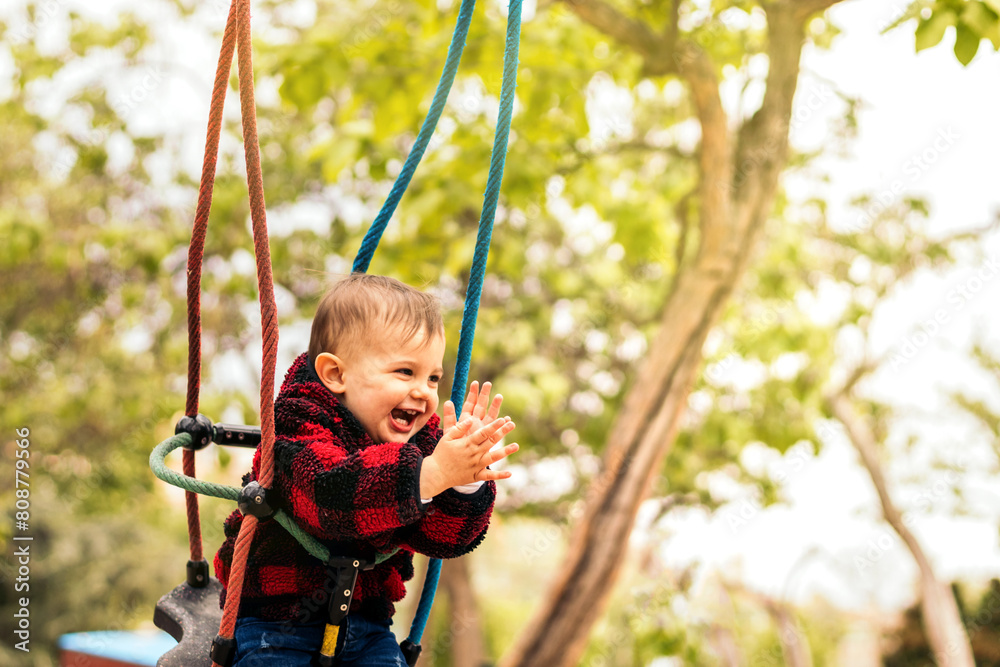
[365,643]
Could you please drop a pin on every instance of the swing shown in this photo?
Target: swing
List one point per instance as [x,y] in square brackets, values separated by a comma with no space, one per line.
[190,612]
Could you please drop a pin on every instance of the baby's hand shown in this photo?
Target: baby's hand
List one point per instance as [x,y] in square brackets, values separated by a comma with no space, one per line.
[475,409]
[463,454]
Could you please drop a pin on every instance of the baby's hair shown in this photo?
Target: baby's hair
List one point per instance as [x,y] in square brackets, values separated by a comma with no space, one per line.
[362,306]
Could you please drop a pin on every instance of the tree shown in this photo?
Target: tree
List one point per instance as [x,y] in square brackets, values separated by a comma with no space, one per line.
[736,187]
[736,190]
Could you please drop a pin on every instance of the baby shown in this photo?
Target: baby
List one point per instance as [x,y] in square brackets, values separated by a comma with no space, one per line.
[364,464]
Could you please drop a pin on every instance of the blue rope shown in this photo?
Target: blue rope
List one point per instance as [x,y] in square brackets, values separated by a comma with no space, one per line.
[484,235]
[455,49]
[474,291]
[426,601]
[497,159]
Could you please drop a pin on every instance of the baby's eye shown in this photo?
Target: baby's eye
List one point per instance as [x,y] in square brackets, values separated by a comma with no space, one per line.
[435,379]
[404,371]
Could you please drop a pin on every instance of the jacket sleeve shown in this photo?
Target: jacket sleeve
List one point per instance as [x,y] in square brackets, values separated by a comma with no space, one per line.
[454,523]
[345,494]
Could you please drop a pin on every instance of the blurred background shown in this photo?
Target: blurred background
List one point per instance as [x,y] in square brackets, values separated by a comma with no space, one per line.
[741,303]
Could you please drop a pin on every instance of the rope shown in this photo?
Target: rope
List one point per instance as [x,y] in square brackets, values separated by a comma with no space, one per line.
[370,242]
[186,482]
[498,158]
[483,237]
[193,516]
[258,215]
[157,463]
[196,254]
[268,309]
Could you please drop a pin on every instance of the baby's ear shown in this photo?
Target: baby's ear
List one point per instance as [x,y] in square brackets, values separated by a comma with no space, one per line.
[330,370]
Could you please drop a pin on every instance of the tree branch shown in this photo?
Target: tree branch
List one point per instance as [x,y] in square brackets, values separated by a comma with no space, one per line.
[690,62]
[630,32]
[942,621]
[806,8]
[672,30]
[864,441]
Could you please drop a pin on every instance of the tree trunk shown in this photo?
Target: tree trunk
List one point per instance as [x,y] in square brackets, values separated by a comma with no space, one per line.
[942,621]
[736,193]
[465,631]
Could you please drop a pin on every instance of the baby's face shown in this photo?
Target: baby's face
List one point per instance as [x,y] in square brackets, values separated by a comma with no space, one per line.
[391,385]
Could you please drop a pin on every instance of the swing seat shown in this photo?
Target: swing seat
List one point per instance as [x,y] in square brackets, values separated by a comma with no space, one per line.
[192,617]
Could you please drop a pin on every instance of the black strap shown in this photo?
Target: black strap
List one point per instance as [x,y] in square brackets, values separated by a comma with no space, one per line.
[343,572]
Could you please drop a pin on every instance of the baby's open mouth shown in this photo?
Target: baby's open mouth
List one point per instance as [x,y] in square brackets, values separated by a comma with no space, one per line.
[403,419]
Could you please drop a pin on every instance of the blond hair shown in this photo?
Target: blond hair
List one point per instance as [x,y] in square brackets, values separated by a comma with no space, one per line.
[362,306]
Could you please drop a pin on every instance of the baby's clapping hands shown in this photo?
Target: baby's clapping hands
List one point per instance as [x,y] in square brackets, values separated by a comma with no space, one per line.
[466,447]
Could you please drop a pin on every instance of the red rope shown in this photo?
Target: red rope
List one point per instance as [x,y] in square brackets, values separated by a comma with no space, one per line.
[265,284]
[193,517]
[196,254]
[258,215]
[236,38]
[196,251]
[235,589]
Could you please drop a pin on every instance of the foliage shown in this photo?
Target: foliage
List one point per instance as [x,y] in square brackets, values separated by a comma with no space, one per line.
[973,21]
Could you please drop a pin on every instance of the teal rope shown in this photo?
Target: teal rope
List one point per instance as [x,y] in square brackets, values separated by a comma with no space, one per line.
[455,49]
[497,160]
[478,271]
[159,467]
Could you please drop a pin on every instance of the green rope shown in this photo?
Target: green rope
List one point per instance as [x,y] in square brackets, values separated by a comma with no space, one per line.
[159,467]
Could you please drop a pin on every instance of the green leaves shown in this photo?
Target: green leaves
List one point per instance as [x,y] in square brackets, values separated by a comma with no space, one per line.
[966,44]
[973,20]
[931,30]
[981,19]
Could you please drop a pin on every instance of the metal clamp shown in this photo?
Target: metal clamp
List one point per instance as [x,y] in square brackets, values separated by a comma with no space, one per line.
[253,501]
[199,428]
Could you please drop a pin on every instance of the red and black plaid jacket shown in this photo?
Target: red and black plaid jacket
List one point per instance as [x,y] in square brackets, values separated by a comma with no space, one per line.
[357,496]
